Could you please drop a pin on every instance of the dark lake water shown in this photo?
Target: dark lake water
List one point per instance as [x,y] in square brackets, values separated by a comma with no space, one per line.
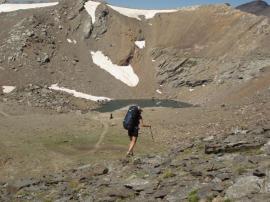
[118,104]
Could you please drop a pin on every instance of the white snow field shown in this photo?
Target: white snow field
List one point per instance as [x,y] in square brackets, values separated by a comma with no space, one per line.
[122,73]
[91,7]
[140,44]
[14,7]
[78,94]
[8,89]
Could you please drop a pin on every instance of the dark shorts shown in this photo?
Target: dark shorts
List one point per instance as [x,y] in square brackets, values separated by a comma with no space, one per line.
[134,132]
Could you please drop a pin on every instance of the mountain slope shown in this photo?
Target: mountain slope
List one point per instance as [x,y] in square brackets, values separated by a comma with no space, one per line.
[256,7]
[202,46]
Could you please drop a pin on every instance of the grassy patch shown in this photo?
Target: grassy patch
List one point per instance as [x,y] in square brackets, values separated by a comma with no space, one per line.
[193,196]
[168,174]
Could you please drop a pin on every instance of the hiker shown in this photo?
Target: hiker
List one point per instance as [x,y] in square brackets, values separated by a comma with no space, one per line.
[132,122]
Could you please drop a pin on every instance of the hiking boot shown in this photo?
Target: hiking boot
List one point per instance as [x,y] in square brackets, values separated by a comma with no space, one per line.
[129,154]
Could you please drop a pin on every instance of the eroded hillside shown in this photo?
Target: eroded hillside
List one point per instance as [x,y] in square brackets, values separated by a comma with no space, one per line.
[183,49]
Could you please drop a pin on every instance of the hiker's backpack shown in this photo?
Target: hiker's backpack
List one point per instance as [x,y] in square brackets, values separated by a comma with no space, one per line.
[131,118]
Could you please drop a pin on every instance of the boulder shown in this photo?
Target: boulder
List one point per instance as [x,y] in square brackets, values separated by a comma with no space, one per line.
[266,148]
[120,192]
[244,186]
[100,170]
[87,27]
[100,26]
[137,184]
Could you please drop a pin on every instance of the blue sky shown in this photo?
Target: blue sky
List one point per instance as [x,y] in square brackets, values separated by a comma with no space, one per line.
[148,4]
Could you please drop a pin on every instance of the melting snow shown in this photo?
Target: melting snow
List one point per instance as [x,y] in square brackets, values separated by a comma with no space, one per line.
[78,94]
[15,7]
[91,7]
[136,13]
[140,44]
[122,73]
[158,91]
[72,41]
[8,89]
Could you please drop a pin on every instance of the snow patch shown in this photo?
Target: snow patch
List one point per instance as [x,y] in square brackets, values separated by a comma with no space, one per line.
[136,13]
[158,91]
[140,44]
[122,73]
[191,89]
[91,7]
[72,41]
[8,89]
[78,94]
[14,7]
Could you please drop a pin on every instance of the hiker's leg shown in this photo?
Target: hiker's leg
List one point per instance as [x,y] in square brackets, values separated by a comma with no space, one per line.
[132,144]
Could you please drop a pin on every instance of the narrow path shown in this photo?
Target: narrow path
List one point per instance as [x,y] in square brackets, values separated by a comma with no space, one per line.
[102,136]
[3,113]
[100,140]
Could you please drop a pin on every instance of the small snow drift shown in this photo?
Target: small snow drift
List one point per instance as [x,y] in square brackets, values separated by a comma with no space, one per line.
[78,94]
[14,7]
[72,41]
[140,44]
[136,13]
[91,7]
[158,91]
[8,89]
[122,73]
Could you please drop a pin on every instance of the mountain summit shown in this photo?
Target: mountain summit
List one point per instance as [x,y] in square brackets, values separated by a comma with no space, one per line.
[256,7]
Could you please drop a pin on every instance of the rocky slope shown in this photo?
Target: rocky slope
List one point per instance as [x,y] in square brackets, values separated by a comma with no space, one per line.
[256,7]
[230,168]
[214,45]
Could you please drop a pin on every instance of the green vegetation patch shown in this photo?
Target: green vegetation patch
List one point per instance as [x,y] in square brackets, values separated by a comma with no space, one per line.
[193,196]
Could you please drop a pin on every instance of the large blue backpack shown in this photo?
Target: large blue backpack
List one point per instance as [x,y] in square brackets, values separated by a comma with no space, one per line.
[131,118]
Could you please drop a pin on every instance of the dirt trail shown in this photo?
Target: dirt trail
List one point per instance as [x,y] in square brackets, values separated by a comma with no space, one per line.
[102,135]
[3,113]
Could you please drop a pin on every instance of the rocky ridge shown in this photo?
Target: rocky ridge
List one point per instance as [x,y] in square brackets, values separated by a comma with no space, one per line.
[43,48]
